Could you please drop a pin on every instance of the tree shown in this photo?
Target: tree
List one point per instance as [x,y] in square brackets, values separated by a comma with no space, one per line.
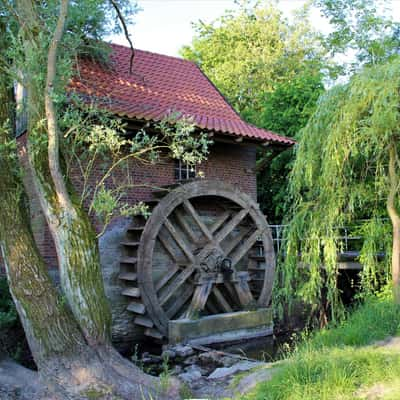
[69,334]
[346,170]
[286,110]
[248,53]
[363,32]
[271,72]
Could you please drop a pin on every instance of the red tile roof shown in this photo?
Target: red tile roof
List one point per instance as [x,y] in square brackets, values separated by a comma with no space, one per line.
[161,84]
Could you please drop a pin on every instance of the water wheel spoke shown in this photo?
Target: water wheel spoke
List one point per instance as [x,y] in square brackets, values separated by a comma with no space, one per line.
[166,278]
[221,300]
[231,225]
[191,211]
[231,290]
[179,240]
[200,297]
[185,225]
[243,289]
[171,289]
[164,240]
[236,240]
[219,221]
[245,247]
[179,302]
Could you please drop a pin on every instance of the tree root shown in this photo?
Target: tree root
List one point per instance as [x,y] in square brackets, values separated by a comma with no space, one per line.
[19,383]
[96,373]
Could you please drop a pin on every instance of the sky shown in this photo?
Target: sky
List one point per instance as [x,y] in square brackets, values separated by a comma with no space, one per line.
[164,26]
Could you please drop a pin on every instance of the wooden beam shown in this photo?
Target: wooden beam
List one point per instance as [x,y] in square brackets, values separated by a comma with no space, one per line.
[166,278]
[243,290]
[221,300]
[179,302]
[200,297]
[236,240]
[179,240]
[228,228]
[190,210]
[219,221]
[144,321]
[186,227]
[176,284]
[167,245]
[231,290]
[247,245]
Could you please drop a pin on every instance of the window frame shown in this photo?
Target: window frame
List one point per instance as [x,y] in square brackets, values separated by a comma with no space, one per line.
[184,171]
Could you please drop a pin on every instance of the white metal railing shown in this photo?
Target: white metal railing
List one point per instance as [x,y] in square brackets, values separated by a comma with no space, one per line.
[348,236]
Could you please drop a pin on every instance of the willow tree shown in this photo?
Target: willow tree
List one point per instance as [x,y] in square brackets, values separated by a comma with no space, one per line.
[69,333]
[346,170]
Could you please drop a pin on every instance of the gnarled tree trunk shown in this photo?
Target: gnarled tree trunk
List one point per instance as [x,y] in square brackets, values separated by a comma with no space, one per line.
[70,341]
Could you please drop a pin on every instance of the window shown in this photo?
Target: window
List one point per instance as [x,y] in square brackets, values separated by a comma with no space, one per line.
[184,171]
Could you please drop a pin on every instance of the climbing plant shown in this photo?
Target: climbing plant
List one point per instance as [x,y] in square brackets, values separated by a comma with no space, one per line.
[346,170]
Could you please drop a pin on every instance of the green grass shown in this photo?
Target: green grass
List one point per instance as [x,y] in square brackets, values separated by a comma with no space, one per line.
[337,363]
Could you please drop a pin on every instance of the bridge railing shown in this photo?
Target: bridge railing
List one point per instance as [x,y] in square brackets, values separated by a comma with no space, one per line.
[349,236]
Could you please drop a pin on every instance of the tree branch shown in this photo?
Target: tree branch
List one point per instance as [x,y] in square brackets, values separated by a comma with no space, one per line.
[52,124]
[125,28]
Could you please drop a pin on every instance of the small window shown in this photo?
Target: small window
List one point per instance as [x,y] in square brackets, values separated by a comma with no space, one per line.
[184,171]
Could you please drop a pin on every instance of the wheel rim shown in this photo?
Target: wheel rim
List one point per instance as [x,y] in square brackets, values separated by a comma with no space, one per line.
[196,246]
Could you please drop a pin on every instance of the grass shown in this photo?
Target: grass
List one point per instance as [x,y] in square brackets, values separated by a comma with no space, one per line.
[340,362]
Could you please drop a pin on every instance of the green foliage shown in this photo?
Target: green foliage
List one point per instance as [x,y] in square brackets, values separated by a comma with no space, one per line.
[333,363]
[249,53]
[340,176]
[270,71]
[99,144]
[286,110]
[166,375]
[362,27]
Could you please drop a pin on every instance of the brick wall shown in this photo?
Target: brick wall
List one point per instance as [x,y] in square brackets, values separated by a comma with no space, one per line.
[231,163]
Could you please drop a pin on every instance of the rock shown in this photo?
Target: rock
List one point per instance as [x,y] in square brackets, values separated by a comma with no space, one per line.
[191,376]
[148,358]
[168,354]
[183,351]
[177,370]
[250,381]
[191,360]
[210,357]
[228,361]
[241,366]
[195,367]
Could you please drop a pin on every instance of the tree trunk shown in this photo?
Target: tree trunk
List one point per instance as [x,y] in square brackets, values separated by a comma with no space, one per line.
[72,350]
[72,232]
[395,219]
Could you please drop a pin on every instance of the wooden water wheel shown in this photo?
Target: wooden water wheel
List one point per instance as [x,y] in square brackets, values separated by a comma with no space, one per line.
[206,249]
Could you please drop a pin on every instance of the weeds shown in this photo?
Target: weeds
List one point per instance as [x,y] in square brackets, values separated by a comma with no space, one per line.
[337,363]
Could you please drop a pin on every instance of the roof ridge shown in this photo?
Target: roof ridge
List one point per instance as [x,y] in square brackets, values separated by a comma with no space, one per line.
[152,52]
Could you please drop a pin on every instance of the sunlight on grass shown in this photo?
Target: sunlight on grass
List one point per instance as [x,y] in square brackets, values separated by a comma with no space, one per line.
[332,365]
